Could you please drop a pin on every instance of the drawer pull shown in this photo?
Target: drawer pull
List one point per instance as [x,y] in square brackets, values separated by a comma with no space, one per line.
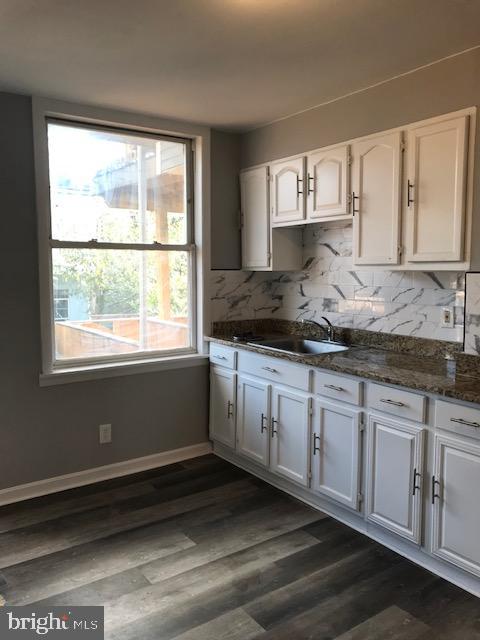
[271,369]
[395,403]
[467,423]
[220,357]
[315,448]
[274,422]
[229,410]
[334,387]
[263,426]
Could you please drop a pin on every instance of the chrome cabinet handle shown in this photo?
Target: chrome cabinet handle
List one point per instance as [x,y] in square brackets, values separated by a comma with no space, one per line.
[410,186]
[434,494]
[309,188]
[466,422]
[220,357]
[315,448]
[263,420]
[332,386]
[415,485]
[395,403]
[271,369]
[274,422]
[299,193]
[354,197]
[229,410]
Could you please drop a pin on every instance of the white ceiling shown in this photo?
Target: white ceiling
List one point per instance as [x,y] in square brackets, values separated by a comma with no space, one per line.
[234,64]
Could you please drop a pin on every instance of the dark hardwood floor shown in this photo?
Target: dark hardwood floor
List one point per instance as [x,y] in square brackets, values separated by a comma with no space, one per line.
[203,551]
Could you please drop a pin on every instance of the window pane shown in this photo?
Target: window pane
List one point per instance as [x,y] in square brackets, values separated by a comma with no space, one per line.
[116,187]
[120,302]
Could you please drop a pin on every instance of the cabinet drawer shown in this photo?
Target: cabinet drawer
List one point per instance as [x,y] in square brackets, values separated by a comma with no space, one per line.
[274,369]
[338,387]
[397,401]
[457,418]
[223,356]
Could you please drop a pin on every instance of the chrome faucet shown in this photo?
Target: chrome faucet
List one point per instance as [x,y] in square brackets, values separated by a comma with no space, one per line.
[329,329]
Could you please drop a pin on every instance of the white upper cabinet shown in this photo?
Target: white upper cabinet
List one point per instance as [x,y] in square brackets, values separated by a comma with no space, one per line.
[287,191]
[222,405]
[327,185]
[395,476]
[456,510]
[254,192]
[435,191]
[376,199]
[290,431]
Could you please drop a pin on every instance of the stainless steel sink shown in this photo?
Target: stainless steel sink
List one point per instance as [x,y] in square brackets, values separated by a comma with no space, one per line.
[294,344]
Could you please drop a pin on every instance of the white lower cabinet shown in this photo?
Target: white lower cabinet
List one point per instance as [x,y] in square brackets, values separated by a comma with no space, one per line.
[253,419]
[336,452]
[395,476]
[456,507]
[384,478]
[222,405]
[290,435]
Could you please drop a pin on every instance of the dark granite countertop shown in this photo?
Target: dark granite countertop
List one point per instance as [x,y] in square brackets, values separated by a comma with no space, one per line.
[434,374]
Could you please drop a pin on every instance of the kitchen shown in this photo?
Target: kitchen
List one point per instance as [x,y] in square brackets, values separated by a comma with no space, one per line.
[241,336]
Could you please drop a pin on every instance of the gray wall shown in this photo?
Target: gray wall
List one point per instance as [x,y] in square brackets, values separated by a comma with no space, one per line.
[447,86]
[50,431]
[225,198]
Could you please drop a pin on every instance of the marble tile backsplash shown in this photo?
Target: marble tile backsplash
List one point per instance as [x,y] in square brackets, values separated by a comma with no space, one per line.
[472,314]
[405,303]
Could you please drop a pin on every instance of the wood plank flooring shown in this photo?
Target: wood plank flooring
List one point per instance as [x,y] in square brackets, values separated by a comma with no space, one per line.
[201,550]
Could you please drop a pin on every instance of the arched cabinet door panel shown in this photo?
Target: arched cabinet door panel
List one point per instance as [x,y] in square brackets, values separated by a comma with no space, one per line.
[435,191]
[376,199]
[327,184]
[287,191]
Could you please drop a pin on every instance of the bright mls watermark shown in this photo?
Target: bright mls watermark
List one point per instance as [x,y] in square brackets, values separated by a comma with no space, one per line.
[52,622]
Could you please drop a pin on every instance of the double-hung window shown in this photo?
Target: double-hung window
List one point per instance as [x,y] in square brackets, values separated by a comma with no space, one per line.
[121,252]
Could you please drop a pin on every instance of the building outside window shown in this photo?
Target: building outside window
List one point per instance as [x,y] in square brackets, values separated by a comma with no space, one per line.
[60,304]
[121,247]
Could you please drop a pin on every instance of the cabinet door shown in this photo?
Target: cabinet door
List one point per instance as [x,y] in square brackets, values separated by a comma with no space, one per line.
[336,452]
[435,191]
[327,183]
[289,432]
[254,188]
[395,476]
[287,199]
[456,510]
[222,405]
[376,199]
[253,419]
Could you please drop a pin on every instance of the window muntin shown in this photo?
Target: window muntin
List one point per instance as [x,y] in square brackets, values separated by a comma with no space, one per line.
[120,226]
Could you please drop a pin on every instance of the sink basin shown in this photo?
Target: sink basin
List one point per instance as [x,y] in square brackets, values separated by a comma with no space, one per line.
[293,344]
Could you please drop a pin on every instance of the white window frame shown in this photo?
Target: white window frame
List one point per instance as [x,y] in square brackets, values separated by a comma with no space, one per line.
[45,110]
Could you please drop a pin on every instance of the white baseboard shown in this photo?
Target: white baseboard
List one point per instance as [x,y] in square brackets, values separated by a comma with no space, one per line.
[89,476]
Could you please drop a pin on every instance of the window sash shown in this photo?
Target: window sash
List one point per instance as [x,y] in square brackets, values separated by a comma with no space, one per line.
[189,247]
[189,177]
[137,355]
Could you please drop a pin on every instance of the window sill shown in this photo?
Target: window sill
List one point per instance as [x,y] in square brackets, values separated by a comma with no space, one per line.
[118,369]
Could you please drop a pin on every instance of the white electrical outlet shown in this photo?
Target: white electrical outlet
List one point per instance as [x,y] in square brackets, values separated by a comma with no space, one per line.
[105,433]
[447,317]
